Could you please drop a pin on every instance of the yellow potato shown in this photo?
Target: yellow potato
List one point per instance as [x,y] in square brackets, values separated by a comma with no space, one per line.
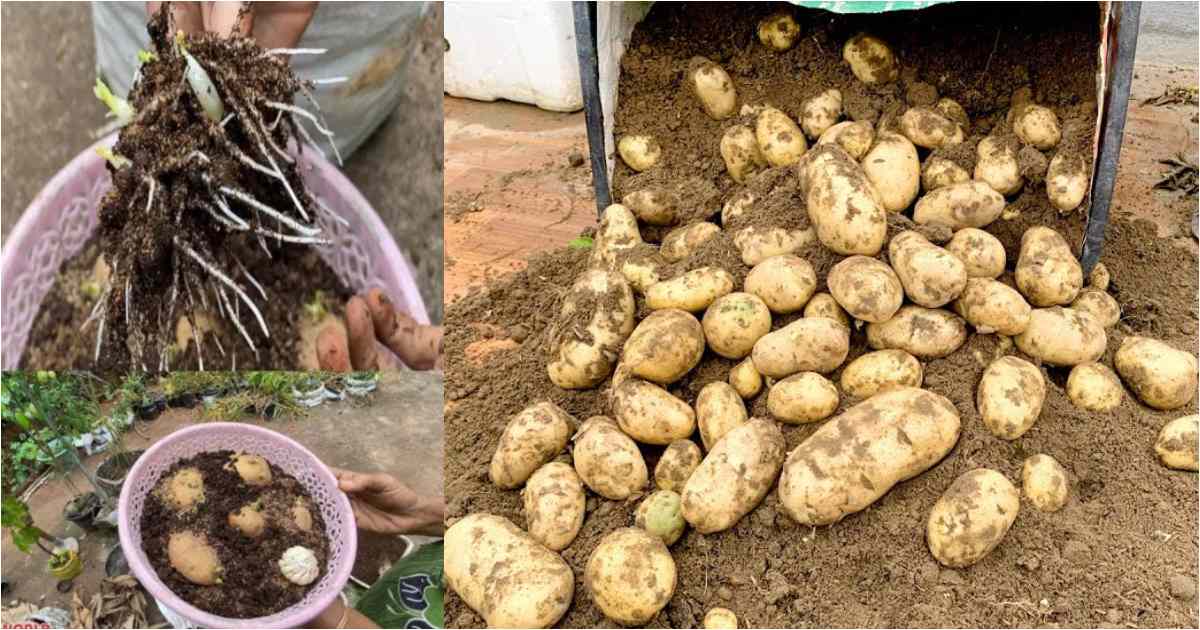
[892,166]
[996,165]
[784,283]
[928,129]
[1010,397]
[950,108]
[931,275]
[1067,181]
[939,172]
[855,137]
[972,517]
[963,205]
[692,291]
[824,305]
[745,380]
[1062,336]
[661,516]
[779,138]
[1099,305]
[1176,443]
[879,371]
[650,414]
[737,206]
[719,410]
[757,244]
[1036,125]
[1045,483]
[684,241]
[712,87]
[820,112]
[652,205]
[778,31]
[1099,279]
[676,465]
[815,344]
[841,202]
[802,398]
[642,271]
[253,469]
[739,150]
[584,360]
[925,333]
[630,576]
[866,287]
[664,346]
[194,558]
[1048,274]
[720,618]
[554,505]
[734,322]
[1094,387]
[1159,375]
[993,307]
[618,232]
[184,490]
[639,151]
[871,59]
[734,477]
[533,437]
[607,460]
[249,520]
[982,253]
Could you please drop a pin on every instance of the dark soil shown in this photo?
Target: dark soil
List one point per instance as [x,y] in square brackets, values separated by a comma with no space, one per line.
[1130,526]
[252,585]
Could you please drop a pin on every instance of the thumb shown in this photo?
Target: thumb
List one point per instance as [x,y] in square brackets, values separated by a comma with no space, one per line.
[227,18]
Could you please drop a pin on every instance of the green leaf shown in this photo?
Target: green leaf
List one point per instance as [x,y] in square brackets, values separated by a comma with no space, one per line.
[580,242]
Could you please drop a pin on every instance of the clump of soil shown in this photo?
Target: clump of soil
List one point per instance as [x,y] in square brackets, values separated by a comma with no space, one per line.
[251,583]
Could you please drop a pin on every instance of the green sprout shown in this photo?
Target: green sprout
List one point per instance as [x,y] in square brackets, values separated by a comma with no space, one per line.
[145,56]
[118,161]
[582,242]
[315,308]
[117,106]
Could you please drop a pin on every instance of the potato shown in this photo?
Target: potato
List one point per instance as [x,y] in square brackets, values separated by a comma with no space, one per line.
[253,469]
[607,460]
[1099,305]
[841,202]
[248,519]
[981,253]
[871,59]
[734,322]
[855,137]
[824,305]
[639,151]
[1036,125]
[650,414]
[802,398]
[712,87]
[652,205]
[554,505]
[778,31]
[931,275]
[734,477]
[503,574]
[757,244]
[972,517]
[301,516]
[993,307]
[1099,279]
[950,108]
[1159,375]
[745,380]
[642,272]
[677,463]
[1010,397]
[184,490]
[194,558]
[929,129]
[1062,336]
[810,344]
[779,138]
[925,333]
[996,165]
[892,166]
[855,458]
[533,437]
[719,410]
[1067,181]
[1048,273]
[661,516]
[664,346]
[739,150]
[938,172]
[1045,482]
[967,204]
[684,241]
[866,287]
[1176,444]
[879,371]
[820,112]
[784,283]
[736,206]
[630,576]
[692,291]
[1094,387]
[720,618]
[588,343]
[617,233]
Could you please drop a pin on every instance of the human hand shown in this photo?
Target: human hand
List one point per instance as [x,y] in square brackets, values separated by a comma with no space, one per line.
[385,505]
[372,317]
[271,24]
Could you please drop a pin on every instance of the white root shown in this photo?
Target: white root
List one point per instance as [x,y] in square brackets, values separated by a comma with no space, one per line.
[309,139]
[275,123]
[101,304]
[329,211]
[228,117]
[302,112]
[263,243]
[217,342]
[236,321]
[153,187]
[296,51]
[239,221]
[127,302]
[288,238]
[249,277]
[269,211]
[219,275]
[329,81]
[222,220]
[287,186]
[100,334]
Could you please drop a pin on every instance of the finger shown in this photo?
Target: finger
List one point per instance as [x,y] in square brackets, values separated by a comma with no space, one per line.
[281,24]
[419,346]
[228,18]
[185,16]
[332,352]
[363,351]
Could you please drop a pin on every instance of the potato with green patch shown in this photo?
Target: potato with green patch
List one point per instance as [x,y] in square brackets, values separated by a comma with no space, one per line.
[661,515]
[981,253]
[931,275]
[925,333]
[693,291]
[554,505]
[1062,336]
[1099,305]
[871,59]
[824,305]
[802,398]
[740,152]
[879,371]
[778,31]
[684,241]
[841,202]
[993,307]
[734,322]
[601,304]
[1047,274]
[608,461]
[854,136]
[972,517]
[779,137]
[1159,375]
[1067,181]
[1045,482]
[866,287]
[664,346]
[735,476]
[745,380]
[650,414]
[820,112]
[938,172]
[676,465]
[892,166]
[652,205]
[1010,397]
[1094,387]
[712,87]
[757,243]
[996,164]
[639,151]
[957,206]
[533,437]
[784,283]
[1176,443]
[813,344]
[929,129]
[719,410]
[630,576]
[1036,125]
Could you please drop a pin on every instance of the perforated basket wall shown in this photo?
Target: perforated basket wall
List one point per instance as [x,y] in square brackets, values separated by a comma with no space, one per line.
[62,218]
[281,451]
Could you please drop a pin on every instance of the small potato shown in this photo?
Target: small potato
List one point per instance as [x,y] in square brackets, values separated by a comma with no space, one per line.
[301,516]
[737,206]
[1159,375]
[664,346]
[982,253]
[939,172]
[734,322]
[892,166]
[810,344]
[972,517]
[779,138]
[996,165]
[993,307]
[617,233]
[929,129]
[253,469]
[607,460]
[630,576]
[533,437]
[692,291]
[820,112]
[785,283]
[554,505]
[871,59]
[931,275]
[1176,444]
[1037,125]
[504,575]
[720,619]
[642,271]
[879,371]
[719,410]
[640,152]
[855,137]
[682,242]
[739,150]
[652,205]
[194,558]
[841,202]
[866,287]
[734,477]
[757,244]
[1010,397]
[1067,181]
[802,398]
[601,304]
[661,516]
[677,463]
[184,490]
[712,87]
[1099,279]
[745,380]
[249,520]
[650,414]
[925,333]
[778,31]
[1062,336]
[1099,305]
[967,204]
[1094,387]
[950,108]
[824,305]
[1045,482]
[1048,274]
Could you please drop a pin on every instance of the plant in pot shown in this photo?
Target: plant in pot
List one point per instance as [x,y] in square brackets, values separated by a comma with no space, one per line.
[63,563]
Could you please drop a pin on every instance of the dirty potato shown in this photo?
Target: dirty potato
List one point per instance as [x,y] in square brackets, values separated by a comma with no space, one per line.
[650,414]
[1048,274]
[996,164]
[554,505]
[596,318]
[677,463]
[841,202]
[712,87]
[1062,336]
[684,241]
[1094,387]
[854,136]
[810,344]
[866,287]
[739,150]
[993,307]
[950,108]
[757,243]
[1045,482]
[1036,125]
[1010,397]
[871,59]
[938,172]
[824,305]
[982,253]
[784,283]
[607,460]
[664,346]
[720,619]
[734,477]
[972,517]
[892,166]
[719,410]
[745,380]
[617,233]
[879,371]
[734,322]
[779,138]
[963,205]
[931,275]
[639,151]
[736,206]
[1067,181]
[652,205]
[802,398]
[929,129]
[778,31]
[693,291]
[630,576]
[533,437]
[661,515]
[925,333]
[1176,443]
[1099,305]
[1159,375]
[820,112]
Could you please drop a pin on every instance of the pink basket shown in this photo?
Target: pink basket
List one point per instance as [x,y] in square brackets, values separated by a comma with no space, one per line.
[62,217]
[281,451]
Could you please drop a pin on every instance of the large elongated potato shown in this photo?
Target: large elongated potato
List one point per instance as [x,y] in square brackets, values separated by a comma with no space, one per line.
[1010,397]
[866,287]
[820,112]
[617,233]
[824,305]
[505,575]
[1094,387]
[692,291]
[993,307]
[652,205]
[554,505]
[586,357]
[1067,181]
[802,398]
[739,150]
[757,243]
[1045,482]
[938,172]
[639,151]
[712,87]
[664,346]
[841,202]
[968,204]
[1159,375]
[784,283]
[734,477]
[815,344]
[929,129]
[1048,274]
[734,322]
[778,30]
[854,136]
[931,275]
[1036,125]
[871,59]
[893,167]
[982,253]
[779,138]
[650,414]
[1062,336]
[607,460]
[745,380]
[676,465]
[682,242]
[996,164]
[630,576]
[856,457]
[1176,443]
[1099,305]
[925,333]
[881,370]
[972,517]
[531,438]
[719,410]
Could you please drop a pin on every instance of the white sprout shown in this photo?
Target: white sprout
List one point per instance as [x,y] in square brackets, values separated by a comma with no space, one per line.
[197,77]
[117,160]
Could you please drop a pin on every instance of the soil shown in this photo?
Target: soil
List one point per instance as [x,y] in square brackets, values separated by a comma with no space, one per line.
[252,585]
[1110,557]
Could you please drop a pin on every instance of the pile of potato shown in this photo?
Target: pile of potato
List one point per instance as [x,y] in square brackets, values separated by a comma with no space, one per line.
[912,299]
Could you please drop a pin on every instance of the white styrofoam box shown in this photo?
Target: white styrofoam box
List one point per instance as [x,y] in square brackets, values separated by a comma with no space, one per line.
[519,51]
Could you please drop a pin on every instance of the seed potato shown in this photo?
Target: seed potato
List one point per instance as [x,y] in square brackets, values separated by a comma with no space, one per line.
[1036,125]
[630,576]
[879,371]
[607,460]
[892,166]
[639,151]
[737,206]
[1159,375]
[1176,444]
[554,505]
[533,437]
[1099,305]
[650,414]
[972,517]
[194,558]
[981,253]
[734,322]
[778,31]
[1062,336]
[734,477]
[925,333]
[693,291]
[1094,387]
[1067,181]
[931,275]
[802,398]
[866,287]
[677,463]
[957,206]
[950,108]
[1045,482]
[1048,274]
[652,205]
[871,59]
[1010,397]
[664,346]
[993,307]
[617,233]
[813,344]
[719,410]
[824,305]
[784,283]
[720,619]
